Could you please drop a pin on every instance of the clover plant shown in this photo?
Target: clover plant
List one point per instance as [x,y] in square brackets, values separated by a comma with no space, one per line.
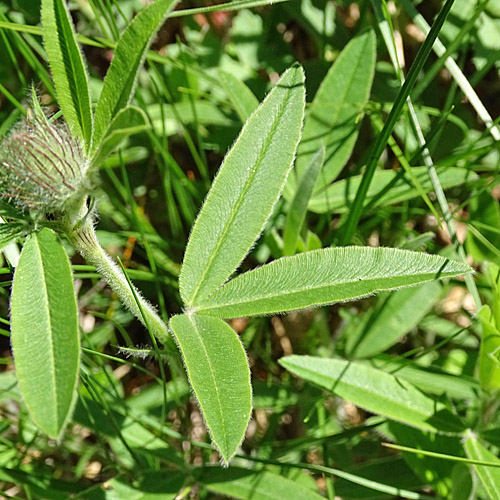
[47,176]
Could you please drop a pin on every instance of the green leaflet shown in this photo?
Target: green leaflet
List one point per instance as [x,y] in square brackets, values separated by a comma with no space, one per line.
[485,218]
[433,471]
[391,472]
[241,97]
[150,486]
[374,390]
[325,276]
[489,476]
[245,190]
[45,337]
[335,114]
[298,206]
[10,212]
[68,69]
[394,316]
[122,75]
[128,121]
[218,371]
[489,354]
[9,232]
[387,187]
[429,379]
[245,484]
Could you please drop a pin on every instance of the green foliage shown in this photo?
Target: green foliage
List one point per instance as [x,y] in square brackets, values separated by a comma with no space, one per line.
[158,408]
[129,55]
[128,121]
[337,110]
[376,391]
[298,206]
[68,69]
[433,471]
[245,190]
[387,187]
[217,368]
[395,316]
[246,484]
[323,277]
[45,337]
[239,94]
[489,363]
[10,232]
[489,476]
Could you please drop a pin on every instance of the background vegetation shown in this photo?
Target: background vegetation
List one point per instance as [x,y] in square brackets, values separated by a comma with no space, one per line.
[137,432]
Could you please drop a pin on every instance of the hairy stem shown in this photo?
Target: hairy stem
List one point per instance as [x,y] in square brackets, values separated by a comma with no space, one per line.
[85,241]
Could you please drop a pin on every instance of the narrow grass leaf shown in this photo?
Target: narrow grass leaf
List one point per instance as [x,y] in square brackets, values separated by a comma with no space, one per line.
[375,391]
[298,207]
[245,484]
[489,476]
[325,276]
[120,81]
[388,187]
[381,142]
[68,68]
[241,97]
[336,112]
[218,371]
[245,190]
[45,337]
[151,485]
[484,214]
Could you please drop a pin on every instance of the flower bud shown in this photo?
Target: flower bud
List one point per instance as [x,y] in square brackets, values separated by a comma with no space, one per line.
[42,166]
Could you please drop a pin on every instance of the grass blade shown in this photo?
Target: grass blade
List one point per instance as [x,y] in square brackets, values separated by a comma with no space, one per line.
[388,187]
[378,147]
[395,316]
[489,476]
[245,484]
[241,97]
[298,207]
[128,121]
[335,114]
[9,231]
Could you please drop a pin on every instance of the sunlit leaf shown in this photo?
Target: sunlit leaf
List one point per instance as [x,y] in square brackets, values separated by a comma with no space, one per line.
[218,371]
[45,336]
[375,391]
[245,190]
[325,276]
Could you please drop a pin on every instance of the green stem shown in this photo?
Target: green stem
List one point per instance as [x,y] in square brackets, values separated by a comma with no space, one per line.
[85,241]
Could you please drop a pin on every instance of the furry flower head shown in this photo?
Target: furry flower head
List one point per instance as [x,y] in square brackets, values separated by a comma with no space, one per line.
[42,166]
